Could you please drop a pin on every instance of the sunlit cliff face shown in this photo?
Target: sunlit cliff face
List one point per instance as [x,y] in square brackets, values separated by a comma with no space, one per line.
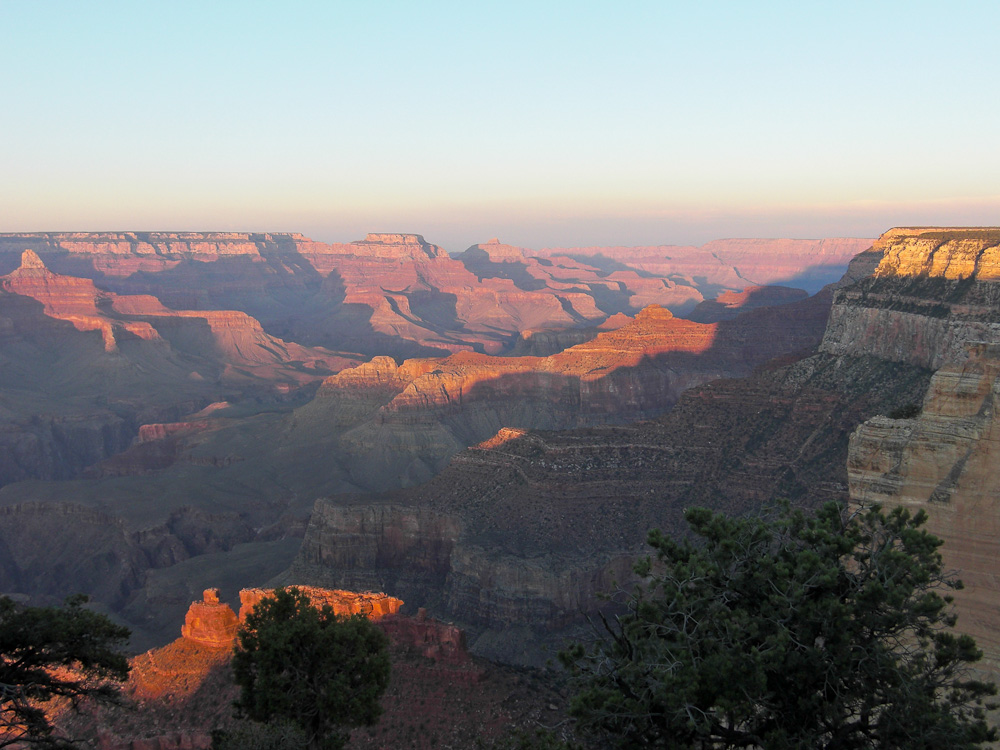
[940,253]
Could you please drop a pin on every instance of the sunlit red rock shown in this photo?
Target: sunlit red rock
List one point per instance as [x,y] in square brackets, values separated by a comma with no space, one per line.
[210,622]
[372,605]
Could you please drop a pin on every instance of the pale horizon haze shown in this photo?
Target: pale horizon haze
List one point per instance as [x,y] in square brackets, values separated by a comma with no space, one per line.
[544,124]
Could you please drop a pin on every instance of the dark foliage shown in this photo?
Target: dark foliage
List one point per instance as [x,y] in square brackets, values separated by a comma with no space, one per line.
[310,667]
[805,632]
[48,653]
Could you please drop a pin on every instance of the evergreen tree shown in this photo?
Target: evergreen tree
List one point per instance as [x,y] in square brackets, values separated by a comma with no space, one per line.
[48,653]
[310,667]
[812,632]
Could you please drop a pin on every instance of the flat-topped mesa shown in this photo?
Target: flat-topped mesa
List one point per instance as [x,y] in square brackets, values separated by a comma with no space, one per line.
[936,252]
[372,605]
[932,292]
[497,250]
[210,622]
[397,245]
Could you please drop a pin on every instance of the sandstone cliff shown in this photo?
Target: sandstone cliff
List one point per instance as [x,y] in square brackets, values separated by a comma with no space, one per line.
[932,293]
[943,460]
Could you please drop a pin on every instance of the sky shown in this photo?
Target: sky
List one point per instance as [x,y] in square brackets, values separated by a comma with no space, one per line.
[542,123]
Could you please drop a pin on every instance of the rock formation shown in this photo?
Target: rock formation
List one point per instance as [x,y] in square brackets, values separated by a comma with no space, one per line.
[88,367]
[183,691]
[943,460]
[530,526]
[925,302]
[399,295]
[210,622]
[343,603]
[934,300]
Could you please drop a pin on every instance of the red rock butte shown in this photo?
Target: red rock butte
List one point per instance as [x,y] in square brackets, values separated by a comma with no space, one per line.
[213,623]
[210,622]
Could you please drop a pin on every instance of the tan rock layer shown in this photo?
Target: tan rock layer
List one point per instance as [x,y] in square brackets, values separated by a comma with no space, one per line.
[944,461]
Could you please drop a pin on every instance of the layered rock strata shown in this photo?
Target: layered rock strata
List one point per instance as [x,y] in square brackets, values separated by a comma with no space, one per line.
[943,460]
[397,294]
[933,292]
[84,368]
[210,622]
[540,522]
[401,423]
[520,535]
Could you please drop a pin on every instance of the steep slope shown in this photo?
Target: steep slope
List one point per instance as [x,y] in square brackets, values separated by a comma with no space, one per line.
[940,454]
[933,292]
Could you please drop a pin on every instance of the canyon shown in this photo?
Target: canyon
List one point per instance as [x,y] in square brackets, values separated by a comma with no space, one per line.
[519,534]
[398,295]
[487,436]
[202,436]
[502,481]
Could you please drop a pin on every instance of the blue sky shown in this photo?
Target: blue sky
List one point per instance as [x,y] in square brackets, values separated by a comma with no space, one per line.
[542,123]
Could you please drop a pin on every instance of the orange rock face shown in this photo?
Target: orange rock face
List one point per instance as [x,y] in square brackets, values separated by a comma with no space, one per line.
[932,293]
[210,622]
[345,603]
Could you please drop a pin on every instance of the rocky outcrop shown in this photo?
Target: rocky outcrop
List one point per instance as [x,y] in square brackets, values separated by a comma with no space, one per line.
[178,694]
[437,641]
[932,293]
[343,603]
[210,622]
[943,460]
